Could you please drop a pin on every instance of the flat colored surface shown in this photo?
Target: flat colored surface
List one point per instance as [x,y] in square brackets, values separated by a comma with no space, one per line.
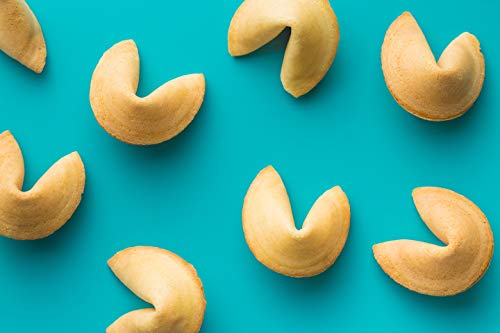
[186,195]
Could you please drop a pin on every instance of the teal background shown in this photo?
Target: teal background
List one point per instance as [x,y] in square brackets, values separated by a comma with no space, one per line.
[186,195]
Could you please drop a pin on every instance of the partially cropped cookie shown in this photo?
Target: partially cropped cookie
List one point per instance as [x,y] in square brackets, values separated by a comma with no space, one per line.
[431,90]
[313,42]
[21,37]
[275,241]
[166,281]
[434,269]
[47,206]
[158,117]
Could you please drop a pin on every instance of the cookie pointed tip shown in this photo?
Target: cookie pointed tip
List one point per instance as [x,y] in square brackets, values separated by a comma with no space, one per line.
[125,44]
[231,50]
[111,261]
[38,68]
[423,190]
[128,42]
[37,64]
[269,169]
[200,77]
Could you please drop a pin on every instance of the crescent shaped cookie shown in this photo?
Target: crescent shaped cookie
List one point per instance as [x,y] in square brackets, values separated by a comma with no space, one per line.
[21,37]
[141,121]
[45,208]
[313,42]
[441,270]
[164,280]
[273,238]
[429,90]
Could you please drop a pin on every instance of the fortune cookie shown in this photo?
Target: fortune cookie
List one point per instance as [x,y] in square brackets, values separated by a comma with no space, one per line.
[313,42]
[21,37]
[441,270]
[164,280]
[429,90]
[273,238]
[39,212]
[141,121]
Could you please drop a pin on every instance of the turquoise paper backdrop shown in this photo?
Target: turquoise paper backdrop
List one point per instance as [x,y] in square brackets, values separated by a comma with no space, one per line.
[186,195]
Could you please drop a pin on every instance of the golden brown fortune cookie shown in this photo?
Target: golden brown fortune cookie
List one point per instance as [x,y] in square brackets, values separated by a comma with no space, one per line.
[313,42]
[51,202]
[21,37]
[158,117]
[273,238]
[428,89]
[441,270]
[164,280]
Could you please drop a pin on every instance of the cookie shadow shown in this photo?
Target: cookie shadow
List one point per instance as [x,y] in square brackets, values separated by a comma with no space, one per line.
[330,84]
[275,46]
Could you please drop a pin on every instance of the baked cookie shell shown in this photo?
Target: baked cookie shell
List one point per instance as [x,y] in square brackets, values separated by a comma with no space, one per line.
[21,37]
[156,118]
[164,280]
[431,90]
[313,41]
[271,234]
[441,270]
[47,206]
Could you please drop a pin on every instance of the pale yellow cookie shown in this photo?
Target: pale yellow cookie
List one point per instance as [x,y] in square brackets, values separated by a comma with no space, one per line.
[271,234]
[21,36]
[158,117]
[166,281]
[39,212]
[441,270]
[429,90]
[313,42]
